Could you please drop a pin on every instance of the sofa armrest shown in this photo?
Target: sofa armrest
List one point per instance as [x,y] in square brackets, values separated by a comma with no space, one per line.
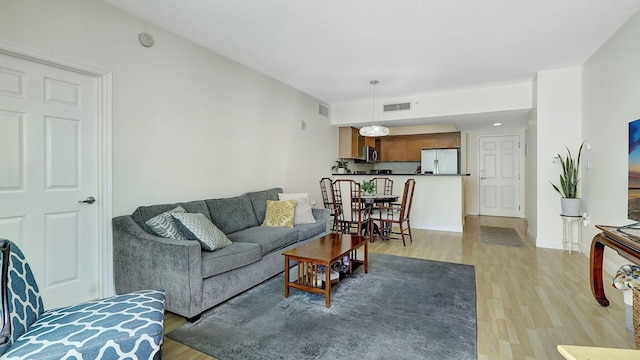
[322,215]
[145,261]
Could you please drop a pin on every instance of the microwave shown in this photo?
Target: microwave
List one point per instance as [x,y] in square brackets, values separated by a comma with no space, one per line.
[370,154]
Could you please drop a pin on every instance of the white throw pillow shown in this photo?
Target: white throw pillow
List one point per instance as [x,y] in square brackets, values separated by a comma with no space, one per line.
[303,213]
[164,226]
[196,226]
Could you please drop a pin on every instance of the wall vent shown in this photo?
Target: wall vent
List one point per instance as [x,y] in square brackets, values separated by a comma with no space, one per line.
[323,110]
[397,107]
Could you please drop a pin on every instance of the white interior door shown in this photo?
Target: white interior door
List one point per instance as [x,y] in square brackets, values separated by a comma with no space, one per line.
[49,162]
[499,166]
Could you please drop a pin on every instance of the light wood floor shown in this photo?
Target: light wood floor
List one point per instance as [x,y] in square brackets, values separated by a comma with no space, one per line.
[529,300]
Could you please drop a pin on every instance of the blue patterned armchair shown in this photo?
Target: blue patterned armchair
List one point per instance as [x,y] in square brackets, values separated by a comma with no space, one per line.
[128,326]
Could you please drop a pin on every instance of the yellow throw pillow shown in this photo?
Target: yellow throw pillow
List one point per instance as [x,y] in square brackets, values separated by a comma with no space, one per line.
[280,213]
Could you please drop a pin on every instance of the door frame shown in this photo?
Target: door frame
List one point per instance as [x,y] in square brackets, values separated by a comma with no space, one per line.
[521,157]
[104,117]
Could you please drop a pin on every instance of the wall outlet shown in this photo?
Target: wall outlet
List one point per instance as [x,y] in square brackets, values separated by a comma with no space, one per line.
[556,160]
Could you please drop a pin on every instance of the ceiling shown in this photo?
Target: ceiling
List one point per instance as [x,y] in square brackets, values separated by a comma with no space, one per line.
[331,49]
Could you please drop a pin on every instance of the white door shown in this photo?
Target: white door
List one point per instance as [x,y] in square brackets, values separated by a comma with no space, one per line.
[48,164]
[499,171]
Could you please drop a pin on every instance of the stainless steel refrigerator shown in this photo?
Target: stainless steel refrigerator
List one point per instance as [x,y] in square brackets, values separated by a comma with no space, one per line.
[440,161]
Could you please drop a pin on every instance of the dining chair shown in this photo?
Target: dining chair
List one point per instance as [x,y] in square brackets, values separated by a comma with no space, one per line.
[128,326]
[326,188]
[383,185]
[398,214]
[350,211]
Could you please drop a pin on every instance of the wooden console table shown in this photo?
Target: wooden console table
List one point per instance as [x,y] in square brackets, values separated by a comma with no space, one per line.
[626,244]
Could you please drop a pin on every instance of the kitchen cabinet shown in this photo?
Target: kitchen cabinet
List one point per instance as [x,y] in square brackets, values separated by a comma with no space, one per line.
[414,148]
[393,148]
[430,141]
[400,149]
[350,143]
[386,149]
[369,141]
[441,141]
[449,140]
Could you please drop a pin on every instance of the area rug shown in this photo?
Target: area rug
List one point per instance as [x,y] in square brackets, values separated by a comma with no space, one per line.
[404,308]
[500,236]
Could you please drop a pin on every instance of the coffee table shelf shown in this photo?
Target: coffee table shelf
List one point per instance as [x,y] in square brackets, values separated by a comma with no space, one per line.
[324,251]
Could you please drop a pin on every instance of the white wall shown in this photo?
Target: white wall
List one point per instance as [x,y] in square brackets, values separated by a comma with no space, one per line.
[558,125]
[611,99]
[531,170]
[470,101]
[187,123]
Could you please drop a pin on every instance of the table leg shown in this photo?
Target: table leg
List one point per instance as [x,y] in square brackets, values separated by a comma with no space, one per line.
[595,265]
[286,276]
[327,285]
[366,258]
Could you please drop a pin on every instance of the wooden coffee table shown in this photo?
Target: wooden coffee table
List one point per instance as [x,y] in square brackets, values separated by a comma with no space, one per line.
[324,251]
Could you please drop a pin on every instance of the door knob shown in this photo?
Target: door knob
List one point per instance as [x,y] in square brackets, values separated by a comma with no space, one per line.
[483,178]
[89,200]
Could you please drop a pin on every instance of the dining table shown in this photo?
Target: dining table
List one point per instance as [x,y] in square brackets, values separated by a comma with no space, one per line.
[370,201]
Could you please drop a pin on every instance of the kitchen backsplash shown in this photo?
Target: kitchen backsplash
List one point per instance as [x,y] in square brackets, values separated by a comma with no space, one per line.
[398,167]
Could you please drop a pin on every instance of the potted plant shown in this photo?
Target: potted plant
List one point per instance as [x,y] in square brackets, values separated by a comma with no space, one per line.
[368,187]
[570,203]
[341,166]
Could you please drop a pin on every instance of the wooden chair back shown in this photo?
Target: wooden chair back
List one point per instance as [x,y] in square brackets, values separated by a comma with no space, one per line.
[349,205]
[407,198]
[383,185]
[326,188]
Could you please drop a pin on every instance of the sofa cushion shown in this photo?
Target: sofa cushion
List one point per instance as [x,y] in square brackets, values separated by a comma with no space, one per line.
[164,226]
[306,231]
[259,201]
[269,238]
[303,214]
[280,213]
[128,326]
[144,213]
[232,214]
[196,226]
[236,255]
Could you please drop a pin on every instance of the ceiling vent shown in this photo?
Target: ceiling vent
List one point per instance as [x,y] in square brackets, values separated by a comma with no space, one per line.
[397,107]
[323,110]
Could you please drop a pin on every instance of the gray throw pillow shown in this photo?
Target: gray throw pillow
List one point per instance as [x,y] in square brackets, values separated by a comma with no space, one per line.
[196,226]
[164,226]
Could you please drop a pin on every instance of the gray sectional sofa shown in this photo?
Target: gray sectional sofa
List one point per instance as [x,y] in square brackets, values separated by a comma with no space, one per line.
[194,279]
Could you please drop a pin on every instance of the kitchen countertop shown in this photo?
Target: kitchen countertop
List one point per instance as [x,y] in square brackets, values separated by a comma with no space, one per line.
[405,174]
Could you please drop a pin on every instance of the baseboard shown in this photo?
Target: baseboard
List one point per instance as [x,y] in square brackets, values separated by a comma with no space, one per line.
[548,243]
[531,236]
[437,227]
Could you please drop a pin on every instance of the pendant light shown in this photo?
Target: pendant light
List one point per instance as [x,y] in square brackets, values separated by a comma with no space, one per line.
[374,130]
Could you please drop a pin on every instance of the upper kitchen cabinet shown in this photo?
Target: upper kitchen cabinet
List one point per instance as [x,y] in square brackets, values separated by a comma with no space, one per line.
[449,140]
[348,143]
[369,141]
[351,144]
[400,148]
[430,141]
[386,149]
[441,141]
[414,148]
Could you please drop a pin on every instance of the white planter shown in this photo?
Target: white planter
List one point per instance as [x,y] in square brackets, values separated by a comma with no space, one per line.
[341,171]
[570,207]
